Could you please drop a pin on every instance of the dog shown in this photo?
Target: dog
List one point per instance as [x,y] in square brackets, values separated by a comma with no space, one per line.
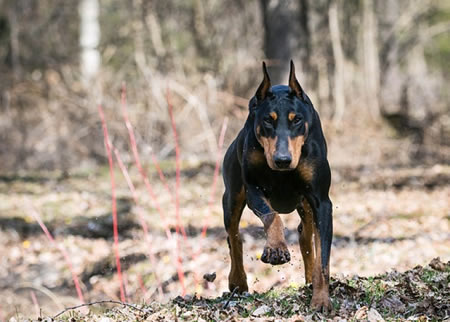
[278,164]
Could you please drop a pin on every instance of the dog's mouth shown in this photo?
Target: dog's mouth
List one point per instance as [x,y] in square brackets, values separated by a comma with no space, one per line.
[283,169]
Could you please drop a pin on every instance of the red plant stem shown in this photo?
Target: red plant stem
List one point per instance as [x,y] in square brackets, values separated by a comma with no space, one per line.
[141,217]
[141,284]
[126,118]
[114,205]
[213,188]
[177,195]
[35,302]
[215,176]
[125,286]
[162,177]
[139,165]
[63,251]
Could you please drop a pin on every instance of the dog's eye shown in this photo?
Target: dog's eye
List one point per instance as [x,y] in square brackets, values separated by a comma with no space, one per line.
[268,121]
[297,120]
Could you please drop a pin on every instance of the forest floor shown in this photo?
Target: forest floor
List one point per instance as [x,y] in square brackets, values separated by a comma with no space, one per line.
[419,294]
[388,219]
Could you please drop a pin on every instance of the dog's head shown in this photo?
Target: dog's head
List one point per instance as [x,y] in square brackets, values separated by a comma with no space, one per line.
[282,115]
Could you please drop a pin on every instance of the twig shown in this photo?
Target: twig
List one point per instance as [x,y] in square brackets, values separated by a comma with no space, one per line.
[201,109]
[35,302]
[141,217]
[99,302]
[114,203]
[61,248]
[133,139]
[216,174]
[179,226]
[231,296]
[213,190]
[137,160]
[51,295]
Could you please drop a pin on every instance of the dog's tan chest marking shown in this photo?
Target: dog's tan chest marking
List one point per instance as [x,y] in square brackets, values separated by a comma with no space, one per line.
[256,157]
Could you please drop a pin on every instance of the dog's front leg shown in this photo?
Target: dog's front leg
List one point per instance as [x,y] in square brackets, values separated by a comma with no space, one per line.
[323,234]
[275,251]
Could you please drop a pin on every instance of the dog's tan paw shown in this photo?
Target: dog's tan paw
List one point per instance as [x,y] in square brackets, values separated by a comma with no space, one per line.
[321,302]
[275,255]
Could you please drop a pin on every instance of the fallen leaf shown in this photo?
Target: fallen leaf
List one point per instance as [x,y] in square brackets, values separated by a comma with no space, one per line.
[373,316]
[263,309]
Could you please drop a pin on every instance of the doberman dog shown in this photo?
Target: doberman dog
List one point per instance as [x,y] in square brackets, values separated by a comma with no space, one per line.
[278,163]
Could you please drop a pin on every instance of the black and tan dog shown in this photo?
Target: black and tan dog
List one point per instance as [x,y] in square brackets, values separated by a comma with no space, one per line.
[278,163]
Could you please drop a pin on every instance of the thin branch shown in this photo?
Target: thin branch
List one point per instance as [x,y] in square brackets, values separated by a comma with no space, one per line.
[114,201]
[231,296]
[179,225]
[99,302]
[60,247]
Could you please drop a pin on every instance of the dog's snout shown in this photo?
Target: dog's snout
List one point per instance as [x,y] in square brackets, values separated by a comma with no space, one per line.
[282,161]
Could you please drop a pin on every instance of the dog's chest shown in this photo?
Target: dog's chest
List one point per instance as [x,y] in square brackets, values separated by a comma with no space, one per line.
[284,191]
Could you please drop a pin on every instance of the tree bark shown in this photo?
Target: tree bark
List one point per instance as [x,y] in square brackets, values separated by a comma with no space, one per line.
[371,64]
[339,61]
[278,19]
[89,39]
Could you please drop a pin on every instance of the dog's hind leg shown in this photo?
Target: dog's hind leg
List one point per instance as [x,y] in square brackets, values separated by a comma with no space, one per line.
[305,239]
[233,205]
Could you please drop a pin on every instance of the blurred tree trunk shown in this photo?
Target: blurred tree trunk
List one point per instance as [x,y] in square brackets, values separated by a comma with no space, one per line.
[339,61]
[304,38]
[89,39]
[322,61]
[14,39]
[371,65]
[279,19]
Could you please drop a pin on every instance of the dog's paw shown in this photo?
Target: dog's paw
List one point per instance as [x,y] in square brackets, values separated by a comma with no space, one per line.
[275,255]
[237,280]
[321,302]
[238,287]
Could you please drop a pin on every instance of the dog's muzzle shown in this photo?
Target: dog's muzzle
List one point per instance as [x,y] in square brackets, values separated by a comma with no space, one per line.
[282,161]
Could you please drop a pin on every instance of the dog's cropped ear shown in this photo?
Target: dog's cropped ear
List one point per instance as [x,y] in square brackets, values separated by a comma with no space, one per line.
[264,88]
[293,83]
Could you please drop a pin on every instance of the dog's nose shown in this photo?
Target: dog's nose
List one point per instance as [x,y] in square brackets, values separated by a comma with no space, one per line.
[282,161]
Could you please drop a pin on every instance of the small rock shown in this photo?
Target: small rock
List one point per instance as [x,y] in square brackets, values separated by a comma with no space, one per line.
[373,316]
[263,309]
[188,297]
